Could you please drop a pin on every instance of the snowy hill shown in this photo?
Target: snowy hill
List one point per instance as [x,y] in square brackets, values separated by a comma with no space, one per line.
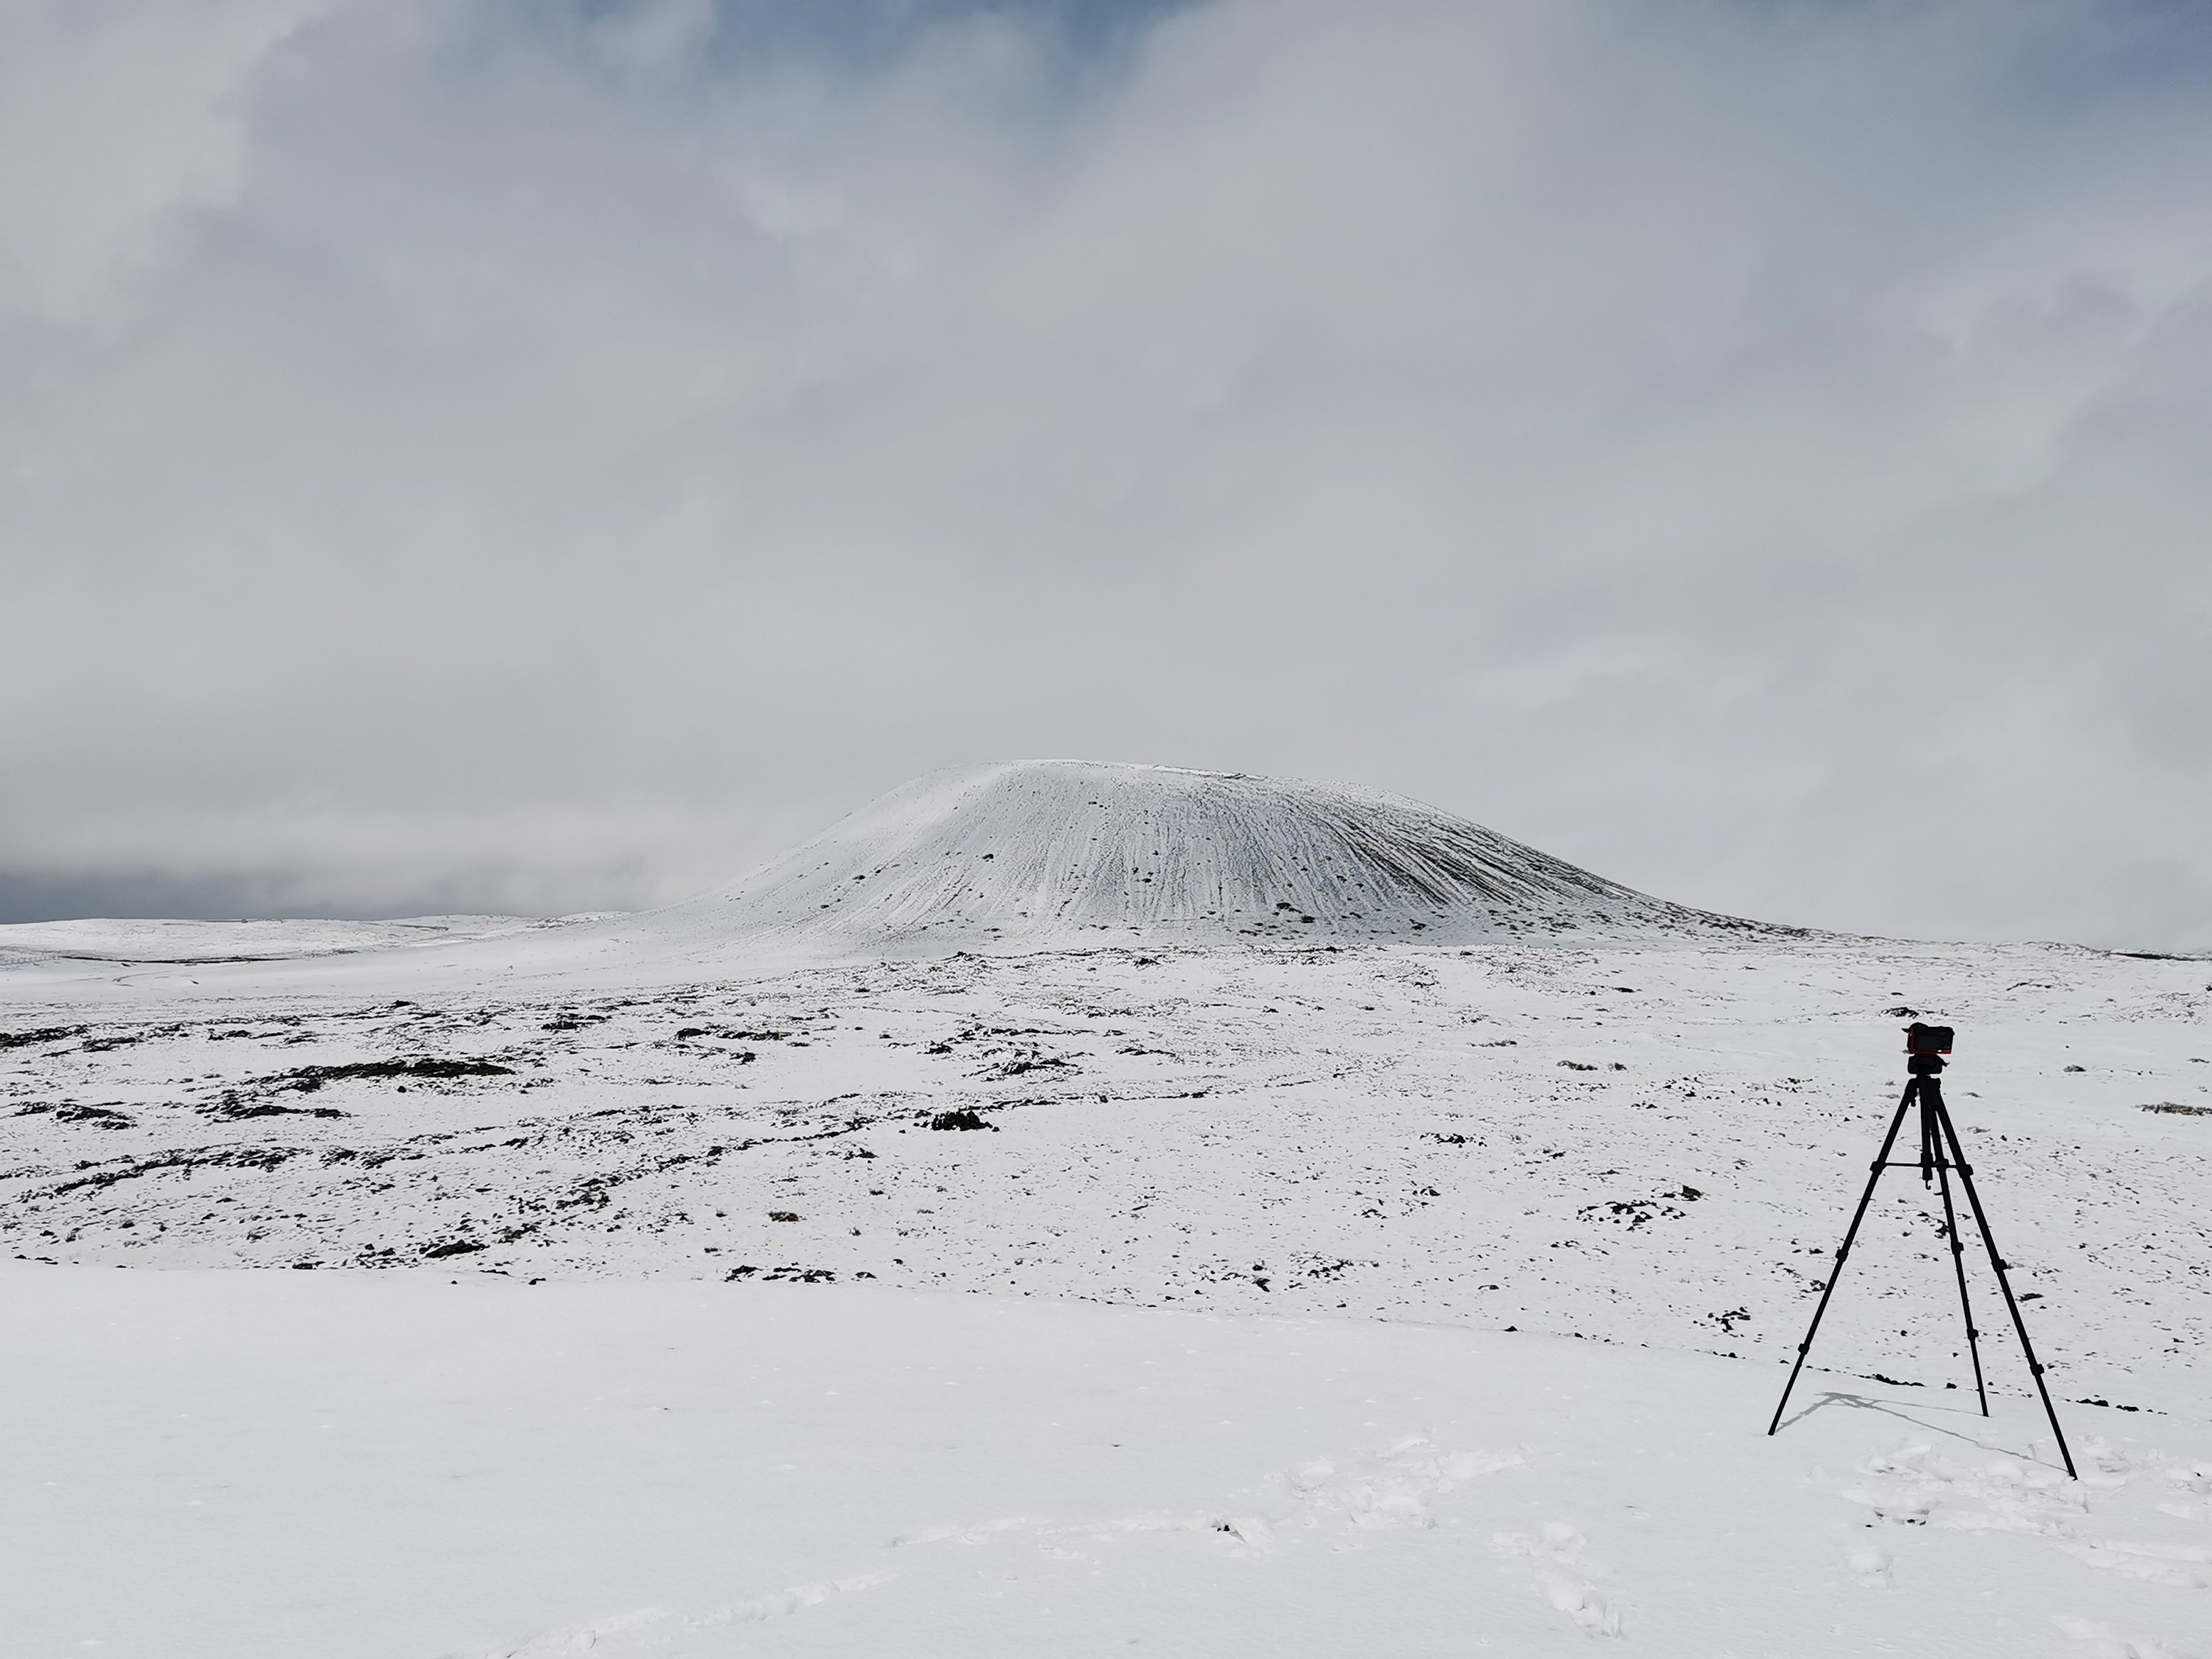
[1005,858]
[1053,855]
[193,942]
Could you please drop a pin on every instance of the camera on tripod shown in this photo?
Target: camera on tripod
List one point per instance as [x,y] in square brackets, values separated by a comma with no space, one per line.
[1941,1157]
[1927,1045]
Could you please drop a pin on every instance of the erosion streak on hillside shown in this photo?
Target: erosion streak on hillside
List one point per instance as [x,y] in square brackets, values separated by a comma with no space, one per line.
[1032,855]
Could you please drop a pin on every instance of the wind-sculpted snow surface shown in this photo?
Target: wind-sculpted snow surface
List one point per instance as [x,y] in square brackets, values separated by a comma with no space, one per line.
[358,1466]
[1034,854]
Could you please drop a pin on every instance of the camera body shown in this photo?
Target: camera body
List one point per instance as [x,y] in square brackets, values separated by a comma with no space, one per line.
[1926,1045]
[1927,1039]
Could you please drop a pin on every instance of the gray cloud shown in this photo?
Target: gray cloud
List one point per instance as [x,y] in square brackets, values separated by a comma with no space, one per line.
[485,456]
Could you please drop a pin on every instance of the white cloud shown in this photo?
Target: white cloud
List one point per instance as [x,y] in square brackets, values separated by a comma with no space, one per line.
[113,116]
[1753,450]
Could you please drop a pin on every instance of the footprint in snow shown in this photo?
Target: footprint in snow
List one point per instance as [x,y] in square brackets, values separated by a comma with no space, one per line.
[1913,1486]
[785,1602]
[2103,1642]
[2197,1477]
[1395,1489]
[2182,1565]
[1870,1567]
[1565,1579]
[578,1639]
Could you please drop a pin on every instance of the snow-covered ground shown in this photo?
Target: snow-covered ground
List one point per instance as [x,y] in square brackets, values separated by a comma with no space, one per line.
[1220,1292]
[174,941]
[1643,1144]
[1319,1183]
[263,1465]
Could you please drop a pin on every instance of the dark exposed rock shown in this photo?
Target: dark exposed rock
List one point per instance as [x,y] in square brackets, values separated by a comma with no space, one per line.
[308,1079]
[961,1118]
[98,1117]
[44,1034]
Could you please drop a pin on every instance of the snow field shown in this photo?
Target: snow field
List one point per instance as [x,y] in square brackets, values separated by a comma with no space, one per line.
[250,1465]
[1645,1145]
[1277,1259]
[104,939]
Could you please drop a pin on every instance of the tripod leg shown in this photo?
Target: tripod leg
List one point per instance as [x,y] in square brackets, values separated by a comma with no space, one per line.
[2020,1325]
[1881,1158]
[1959,1264]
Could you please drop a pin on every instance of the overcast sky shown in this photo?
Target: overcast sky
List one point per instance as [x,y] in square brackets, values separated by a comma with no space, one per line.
[515,455]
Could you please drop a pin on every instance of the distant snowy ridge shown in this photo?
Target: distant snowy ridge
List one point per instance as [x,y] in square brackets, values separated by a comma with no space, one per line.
[186,942]
[1050,854]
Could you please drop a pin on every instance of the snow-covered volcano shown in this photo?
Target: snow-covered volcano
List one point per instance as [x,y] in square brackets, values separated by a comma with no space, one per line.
[1041,854]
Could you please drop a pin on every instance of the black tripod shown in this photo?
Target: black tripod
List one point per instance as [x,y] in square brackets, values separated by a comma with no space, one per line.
[1940,1154]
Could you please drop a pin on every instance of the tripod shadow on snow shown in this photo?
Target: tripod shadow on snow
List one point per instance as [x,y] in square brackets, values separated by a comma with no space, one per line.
[1919,1418]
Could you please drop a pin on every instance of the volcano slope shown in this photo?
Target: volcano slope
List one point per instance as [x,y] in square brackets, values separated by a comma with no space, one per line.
[1065,855]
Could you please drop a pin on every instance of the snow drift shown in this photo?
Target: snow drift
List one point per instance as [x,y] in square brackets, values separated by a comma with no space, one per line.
[1050,854]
